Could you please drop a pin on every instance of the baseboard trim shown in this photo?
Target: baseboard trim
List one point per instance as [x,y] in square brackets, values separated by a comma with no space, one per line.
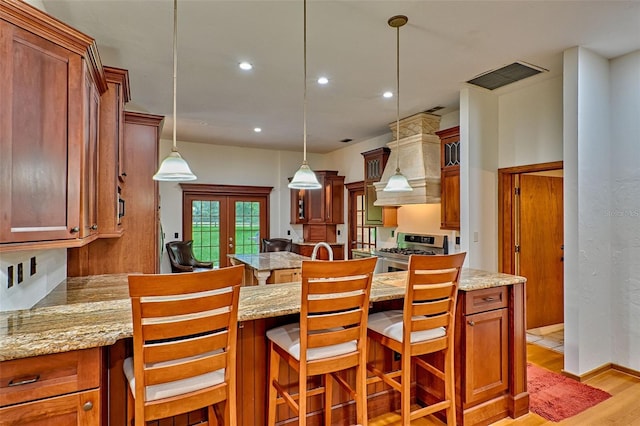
[599,370]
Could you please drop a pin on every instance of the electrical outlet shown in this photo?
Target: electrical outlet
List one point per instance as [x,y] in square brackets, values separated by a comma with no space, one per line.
[10,276]
[20,273]
[338,232]
[176,235]
[32,266]
[288,231]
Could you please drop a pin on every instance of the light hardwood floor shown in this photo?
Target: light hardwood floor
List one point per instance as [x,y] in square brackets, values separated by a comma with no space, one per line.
[622,409]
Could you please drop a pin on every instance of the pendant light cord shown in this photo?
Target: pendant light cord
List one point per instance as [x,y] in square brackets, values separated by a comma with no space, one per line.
[304,104]
[398,99]
[175,69]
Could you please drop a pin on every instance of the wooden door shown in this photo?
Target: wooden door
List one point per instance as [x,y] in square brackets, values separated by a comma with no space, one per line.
[222,221]
[540,255]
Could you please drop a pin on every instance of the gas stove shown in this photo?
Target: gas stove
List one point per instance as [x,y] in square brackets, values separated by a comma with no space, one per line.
[397,258]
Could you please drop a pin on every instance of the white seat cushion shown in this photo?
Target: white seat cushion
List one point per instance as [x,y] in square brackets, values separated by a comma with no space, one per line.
[288,338]
[389,323]
[177,387]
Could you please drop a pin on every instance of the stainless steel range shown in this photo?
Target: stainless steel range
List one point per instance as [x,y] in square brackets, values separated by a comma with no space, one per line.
[397,258]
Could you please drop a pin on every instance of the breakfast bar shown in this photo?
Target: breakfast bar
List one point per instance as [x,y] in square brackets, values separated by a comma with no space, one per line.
[93,313]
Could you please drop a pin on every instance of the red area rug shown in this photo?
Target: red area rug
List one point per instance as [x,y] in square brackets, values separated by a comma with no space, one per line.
[556,397]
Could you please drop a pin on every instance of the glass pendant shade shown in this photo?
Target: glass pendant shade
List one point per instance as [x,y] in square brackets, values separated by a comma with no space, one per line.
[174,169]
[398,183]
[304,178]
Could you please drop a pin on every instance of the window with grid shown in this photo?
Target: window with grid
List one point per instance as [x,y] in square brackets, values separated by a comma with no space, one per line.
[365,237]
[205,231]
[247,233]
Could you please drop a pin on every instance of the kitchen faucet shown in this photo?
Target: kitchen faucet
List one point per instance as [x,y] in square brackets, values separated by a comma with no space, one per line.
[317,246]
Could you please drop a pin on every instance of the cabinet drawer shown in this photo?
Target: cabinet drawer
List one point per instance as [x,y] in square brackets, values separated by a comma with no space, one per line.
[77,409]
[28,379]
[485,300]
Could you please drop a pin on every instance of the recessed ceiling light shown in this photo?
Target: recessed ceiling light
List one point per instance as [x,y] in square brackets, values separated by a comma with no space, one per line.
[257,129]
[245,66]
[323,80]
[387,94]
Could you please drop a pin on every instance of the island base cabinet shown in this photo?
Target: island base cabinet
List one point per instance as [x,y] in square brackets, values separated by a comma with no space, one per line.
[77,409]
[57,389]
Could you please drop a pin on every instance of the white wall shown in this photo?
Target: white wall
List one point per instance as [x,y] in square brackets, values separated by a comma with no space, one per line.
[587,155]
[51,270]
[530,124]
[625,208]
[479,178]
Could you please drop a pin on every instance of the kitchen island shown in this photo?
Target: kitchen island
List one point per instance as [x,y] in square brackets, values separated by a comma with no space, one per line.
[272,267]
[94,313]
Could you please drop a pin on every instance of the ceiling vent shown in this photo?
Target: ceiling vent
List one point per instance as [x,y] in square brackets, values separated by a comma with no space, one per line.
[506,75]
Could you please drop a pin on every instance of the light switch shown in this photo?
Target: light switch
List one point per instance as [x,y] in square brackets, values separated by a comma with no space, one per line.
[475,237]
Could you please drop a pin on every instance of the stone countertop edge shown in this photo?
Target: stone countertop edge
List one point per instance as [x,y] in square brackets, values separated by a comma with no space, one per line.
[87,312]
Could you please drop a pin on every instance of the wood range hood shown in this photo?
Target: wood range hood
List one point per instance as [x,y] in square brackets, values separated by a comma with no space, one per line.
[419,150]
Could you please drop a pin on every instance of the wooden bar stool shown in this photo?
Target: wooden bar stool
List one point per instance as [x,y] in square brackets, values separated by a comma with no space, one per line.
[184,345]
[424,326]
[330,337]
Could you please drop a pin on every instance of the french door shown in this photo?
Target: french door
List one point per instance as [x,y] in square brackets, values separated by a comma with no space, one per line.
[222,222]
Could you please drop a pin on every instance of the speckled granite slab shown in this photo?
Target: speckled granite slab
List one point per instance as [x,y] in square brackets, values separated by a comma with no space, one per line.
[270,261]
[86,312]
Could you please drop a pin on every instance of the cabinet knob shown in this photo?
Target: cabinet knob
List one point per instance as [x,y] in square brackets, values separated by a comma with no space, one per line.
[75,230]
[94,227]
[87,406]
[471,323]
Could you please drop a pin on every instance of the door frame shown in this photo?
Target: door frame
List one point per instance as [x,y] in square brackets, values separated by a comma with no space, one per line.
[507,226]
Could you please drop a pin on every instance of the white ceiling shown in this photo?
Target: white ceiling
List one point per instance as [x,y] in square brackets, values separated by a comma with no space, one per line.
[444,44]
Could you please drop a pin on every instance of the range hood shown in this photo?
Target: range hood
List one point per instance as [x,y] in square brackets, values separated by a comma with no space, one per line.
[419,162]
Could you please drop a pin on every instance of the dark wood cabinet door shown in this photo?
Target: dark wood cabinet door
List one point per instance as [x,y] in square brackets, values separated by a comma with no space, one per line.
[486,348]
[450,206]
[89,183]
[450,178]
[40,138]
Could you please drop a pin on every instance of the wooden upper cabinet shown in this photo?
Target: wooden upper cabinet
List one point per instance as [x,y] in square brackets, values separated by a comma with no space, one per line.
[375,161]
[326,204]
[111,151]
[49,98]
[320,206]
[450,178]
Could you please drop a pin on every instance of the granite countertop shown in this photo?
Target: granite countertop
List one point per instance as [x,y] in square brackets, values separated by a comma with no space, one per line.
[270,261]
[85,312]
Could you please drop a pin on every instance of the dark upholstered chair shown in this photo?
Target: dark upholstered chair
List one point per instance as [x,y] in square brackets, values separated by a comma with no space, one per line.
[182,258]
[275,244]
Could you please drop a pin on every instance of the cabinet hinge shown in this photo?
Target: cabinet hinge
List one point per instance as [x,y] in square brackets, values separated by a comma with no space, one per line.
[517,191]
[517,249]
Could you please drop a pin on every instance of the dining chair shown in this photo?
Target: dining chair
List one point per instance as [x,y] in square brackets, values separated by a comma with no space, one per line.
[276,244]
[424,326]
[330,337]
[184,345]
[182,258]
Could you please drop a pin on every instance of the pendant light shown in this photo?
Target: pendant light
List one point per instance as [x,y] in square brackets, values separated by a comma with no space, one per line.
[398,182]
[304,177]
[174,168]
